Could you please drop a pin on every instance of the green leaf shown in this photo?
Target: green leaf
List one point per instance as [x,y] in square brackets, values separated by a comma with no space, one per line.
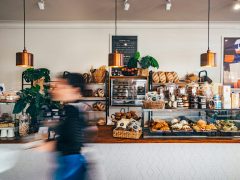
[19,106]
[137,55]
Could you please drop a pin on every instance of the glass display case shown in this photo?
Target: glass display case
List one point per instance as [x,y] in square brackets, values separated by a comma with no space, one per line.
[191,123]
[128,91]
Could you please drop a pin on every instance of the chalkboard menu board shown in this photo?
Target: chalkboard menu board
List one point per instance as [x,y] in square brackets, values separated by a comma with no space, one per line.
[126,45]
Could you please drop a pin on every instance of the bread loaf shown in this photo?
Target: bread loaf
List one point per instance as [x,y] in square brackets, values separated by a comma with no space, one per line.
[169,76]
[175,77]
[100,92]
[155,77]
[162,77]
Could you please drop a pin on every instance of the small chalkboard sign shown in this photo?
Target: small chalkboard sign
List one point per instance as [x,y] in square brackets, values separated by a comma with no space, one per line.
[126,45]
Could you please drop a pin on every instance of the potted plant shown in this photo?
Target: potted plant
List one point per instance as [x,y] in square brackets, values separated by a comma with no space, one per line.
[37,76]
[144,62]
[34,98]
[148,61]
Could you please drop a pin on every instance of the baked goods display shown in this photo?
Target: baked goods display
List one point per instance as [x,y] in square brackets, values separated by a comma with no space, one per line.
[9,96]
[160,125]
[226,126]
[165,77]
[129,71]
[169,76]
[87,77]
[155,77]
[128,128]
[101,121]
[99,93]
[125,115]
[99,106]
[6,117]
[162,77]
[153,100]
[202,125]
[128,125]
[98,75]
[191,78]
[6,124]
[175,77]
[182,125]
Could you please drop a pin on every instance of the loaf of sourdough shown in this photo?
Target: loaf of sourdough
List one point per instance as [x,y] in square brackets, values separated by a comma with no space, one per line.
[155,77]
[162,77]
[175,77]
[169,76]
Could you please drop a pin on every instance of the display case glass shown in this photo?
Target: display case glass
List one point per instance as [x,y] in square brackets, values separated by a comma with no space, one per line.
[195,123]
[128,91]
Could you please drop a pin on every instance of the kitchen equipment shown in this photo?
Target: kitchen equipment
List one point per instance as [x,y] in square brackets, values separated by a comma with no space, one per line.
[204,78]
[129,91]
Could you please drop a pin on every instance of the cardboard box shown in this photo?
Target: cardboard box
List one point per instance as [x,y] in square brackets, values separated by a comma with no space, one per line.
[216,89]
[226,102]
[235,100]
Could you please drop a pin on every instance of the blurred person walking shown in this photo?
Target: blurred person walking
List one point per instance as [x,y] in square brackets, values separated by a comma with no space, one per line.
[71,164]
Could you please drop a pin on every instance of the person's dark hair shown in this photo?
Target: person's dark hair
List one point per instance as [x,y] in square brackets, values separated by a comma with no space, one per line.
[75,80]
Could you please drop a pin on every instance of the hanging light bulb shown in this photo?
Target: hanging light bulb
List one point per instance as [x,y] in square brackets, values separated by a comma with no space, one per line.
[126,5]
[24,59]
[236,5]
[115,59]
[208,59]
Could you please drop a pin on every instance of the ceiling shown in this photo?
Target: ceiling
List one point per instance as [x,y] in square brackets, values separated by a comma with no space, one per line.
[140,10]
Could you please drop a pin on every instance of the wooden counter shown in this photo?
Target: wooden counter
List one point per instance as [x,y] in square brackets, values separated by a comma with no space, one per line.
[105,136]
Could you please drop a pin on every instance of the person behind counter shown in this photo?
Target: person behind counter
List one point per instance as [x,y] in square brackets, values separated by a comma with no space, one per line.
[71,163]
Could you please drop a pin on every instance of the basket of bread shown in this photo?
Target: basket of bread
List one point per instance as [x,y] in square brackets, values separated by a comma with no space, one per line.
[98,75]
[128,124]
[153,101]
[128,128]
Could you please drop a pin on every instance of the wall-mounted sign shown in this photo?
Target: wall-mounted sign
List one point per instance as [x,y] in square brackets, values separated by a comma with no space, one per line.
[126,45]
[231,62]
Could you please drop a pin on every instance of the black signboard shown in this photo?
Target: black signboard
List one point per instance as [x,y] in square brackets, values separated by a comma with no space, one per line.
[126,45]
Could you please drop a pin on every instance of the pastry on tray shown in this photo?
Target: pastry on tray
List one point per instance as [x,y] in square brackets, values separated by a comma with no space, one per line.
[160,125]
[226,126]
[182,125]
[202,126]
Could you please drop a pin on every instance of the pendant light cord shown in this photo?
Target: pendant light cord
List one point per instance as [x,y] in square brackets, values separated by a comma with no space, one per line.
[24,22]
[115,17]
[208,20]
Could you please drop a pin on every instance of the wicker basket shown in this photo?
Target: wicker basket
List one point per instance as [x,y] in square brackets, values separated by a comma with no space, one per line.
[127,134]
[153,104]
[98,76]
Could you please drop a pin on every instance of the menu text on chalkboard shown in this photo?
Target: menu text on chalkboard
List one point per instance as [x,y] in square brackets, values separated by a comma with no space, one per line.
[126,45]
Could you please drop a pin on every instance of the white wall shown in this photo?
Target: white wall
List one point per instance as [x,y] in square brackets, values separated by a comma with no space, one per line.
[76,46]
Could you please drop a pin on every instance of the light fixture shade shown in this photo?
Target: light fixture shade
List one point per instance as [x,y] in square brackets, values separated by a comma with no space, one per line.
[115,59]
[24,59]
[208,59]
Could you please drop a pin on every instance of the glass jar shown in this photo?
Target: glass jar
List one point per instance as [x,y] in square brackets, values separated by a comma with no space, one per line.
[24,121]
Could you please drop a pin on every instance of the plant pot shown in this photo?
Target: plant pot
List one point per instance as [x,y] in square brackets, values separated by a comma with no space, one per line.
[143,72]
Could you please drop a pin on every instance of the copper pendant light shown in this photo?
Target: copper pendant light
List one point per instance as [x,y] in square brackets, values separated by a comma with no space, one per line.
[115,59]
[24,59]
[208,59]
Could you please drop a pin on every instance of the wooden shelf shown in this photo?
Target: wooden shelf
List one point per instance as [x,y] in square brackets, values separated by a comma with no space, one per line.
[134,77]
[105,135]
[93,99]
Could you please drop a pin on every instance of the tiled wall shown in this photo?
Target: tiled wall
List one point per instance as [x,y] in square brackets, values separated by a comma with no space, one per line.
[142,162]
